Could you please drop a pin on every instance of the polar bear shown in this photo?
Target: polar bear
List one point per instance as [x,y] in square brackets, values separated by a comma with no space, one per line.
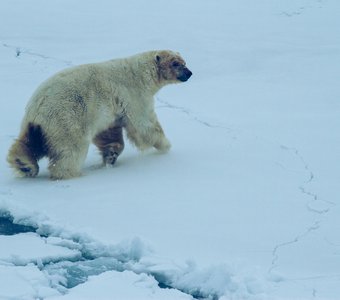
[93,103]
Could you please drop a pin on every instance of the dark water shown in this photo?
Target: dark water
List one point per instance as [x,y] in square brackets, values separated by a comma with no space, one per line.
[7,227]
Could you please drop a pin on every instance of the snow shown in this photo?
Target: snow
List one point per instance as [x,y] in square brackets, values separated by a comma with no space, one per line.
[244,206]
[25,248]
[24,282]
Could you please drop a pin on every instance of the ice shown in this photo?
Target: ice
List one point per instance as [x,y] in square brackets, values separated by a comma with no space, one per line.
[24,282]
[123,285]
[244,206]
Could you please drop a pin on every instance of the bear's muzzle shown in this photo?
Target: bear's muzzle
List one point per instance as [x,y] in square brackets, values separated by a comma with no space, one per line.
[185,74]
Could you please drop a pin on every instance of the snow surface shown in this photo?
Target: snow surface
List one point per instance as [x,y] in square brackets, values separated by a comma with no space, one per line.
[244,206]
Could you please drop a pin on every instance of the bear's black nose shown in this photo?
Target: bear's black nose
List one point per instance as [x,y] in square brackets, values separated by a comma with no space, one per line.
[186,74]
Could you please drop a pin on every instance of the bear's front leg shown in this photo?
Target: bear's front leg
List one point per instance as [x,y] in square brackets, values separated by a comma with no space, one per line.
[110,143]
[149,136]
[161,143]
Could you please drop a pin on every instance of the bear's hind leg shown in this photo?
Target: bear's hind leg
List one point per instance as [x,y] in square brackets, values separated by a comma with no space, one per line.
[24,154]
[22,160]
[67,163]
[110,143]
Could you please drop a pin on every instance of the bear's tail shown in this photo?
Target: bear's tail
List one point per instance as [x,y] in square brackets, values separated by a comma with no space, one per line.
[24,154]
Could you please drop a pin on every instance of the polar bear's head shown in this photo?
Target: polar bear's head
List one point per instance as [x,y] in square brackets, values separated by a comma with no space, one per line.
[171,67]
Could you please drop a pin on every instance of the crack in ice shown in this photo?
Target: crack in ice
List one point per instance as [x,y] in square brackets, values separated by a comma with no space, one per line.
[187,112]
[19,51]
[297,239]
[314,198]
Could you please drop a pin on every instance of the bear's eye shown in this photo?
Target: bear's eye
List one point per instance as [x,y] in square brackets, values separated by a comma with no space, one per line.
[175,64]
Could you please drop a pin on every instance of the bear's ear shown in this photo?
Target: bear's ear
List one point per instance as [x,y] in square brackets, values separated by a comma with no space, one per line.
[157,58]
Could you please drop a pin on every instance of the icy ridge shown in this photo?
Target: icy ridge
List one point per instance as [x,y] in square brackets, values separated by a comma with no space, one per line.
[95,258]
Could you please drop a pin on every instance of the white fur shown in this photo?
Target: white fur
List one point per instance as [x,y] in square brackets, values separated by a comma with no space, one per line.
[76,104]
